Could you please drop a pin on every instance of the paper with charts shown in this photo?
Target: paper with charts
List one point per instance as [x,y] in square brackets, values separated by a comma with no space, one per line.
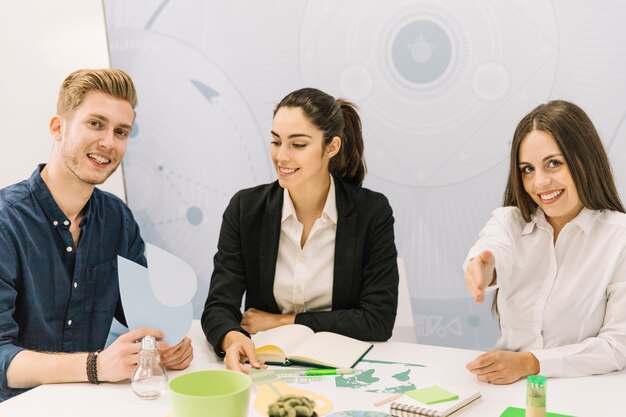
[384,376]
[374,376]
[376,380]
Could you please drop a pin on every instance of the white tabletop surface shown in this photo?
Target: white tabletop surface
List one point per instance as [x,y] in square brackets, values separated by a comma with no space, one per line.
[603,395]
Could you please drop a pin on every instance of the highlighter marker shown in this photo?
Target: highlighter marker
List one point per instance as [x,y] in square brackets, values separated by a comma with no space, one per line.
[323,372]
[317,372]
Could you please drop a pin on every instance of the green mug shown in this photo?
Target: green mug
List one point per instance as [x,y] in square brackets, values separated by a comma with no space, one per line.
[210,393]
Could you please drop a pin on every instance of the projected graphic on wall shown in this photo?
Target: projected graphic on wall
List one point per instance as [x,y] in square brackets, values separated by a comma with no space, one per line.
[440,86]
[193,142]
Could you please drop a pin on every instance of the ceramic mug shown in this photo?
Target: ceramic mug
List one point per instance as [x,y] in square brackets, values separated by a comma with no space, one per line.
[210,393]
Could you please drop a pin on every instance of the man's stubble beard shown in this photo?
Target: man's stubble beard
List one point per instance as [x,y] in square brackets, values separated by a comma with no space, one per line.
[72,164]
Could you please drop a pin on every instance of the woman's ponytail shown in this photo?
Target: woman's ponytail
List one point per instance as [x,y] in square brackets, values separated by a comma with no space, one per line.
[349,163]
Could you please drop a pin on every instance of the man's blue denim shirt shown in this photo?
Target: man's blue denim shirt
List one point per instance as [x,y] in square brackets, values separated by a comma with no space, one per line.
[54,297]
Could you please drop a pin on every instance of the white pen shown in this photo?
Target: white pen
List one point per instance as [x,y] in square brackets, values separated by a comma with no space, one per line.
[387,400]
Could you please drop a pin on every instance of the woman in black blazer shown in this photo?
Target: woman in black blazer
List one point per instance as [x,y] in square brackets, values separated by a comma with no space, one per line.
[317,146]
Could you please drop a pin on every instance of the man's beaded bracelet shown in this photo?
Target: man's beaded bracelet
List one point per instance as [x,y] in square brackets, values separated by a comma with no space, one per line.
[92,366]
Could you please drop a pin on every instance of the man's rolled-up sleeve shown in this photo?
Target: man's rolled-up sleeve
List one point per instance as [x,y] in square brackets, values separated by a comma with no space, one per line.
[9,328]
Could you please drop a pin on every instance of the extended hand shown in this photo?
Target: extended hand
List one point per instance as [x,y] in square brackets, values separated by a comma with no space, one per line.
[479,273]
[238,348]
[502,367]
[178,356]
[255,320]
[119,360]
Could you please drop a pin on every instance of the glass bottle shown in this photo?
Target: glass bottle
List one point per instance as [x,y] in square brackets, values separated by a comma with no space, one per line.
[536,396]
[150,379]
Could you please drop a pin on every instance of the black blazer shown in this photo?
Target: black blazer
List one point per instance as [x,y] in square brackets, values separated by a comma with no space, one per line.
[365,285]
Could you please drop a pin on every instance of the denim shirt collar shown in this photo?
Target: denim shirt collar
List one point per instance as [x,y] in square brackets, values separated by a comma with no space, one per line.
[51,209]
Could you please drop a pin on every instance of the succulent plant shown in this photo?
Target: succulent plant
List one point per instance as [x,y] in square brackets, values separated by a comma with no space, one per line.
[292,406]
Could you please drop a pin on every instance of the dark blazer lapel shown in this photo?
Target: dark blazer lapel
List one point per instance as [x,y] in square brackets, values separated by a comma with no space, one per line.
[268,248]
[345,246]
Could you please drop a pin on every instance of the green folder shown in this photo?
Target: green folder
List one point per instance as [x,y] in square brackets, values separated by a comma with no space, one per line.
[520,412]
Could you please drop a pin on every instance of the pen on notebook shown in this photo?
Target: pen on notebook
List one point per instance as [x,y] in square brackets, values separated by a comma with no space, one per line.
[321,372]
[387,400]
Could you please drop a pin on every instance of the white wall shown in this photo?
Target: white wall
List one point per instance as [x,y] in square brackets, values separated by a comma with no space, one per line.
[42,42]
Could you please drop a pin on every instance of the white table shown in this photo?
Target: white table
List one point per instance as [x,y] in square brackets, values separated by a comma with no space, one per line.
[603,395]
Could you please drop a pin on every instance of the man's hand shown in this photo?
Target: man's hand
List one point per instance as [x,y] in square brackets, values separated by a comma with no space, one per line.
[479,273]
[178,356]
[502,367]
[119,360]
[255,321]
[238,348]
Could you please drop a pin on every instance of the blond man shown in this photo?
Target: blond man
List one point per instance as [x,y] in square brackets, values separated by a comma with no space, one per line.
[59,241]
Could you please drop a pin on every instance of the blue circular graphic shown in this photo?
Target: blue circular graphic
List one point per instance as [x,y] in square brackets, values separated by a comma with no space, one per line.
[194,215]
[421,51]
[135,131]
[473,320]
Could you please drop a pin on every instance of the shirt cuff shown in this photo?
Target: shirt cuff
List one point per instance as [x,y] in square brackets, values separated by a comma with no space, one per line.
[218,351]
[476,250]
[550,362]
[7,353]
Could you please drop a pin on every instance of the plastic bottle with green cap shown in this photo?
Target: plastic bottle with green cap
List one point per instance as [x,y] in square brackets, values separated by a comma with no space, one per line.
[536,396]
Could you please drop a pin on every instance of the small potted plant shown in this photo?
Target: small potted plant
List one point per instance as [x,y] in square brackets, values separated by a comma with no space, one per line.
[292,406]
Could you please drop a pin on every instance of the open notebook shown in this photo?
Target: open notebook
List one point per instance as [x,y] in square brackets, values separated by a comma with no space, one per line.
[408,407]
[295,343]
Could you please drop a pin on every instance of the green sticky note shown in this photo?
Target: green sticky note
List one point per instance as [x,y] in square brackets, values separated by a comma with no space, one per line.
[431,395]
[520,412]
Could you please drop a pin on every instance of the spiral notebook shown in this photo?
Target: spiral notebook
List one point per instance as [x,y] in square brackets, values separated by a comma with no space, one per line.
[408,407]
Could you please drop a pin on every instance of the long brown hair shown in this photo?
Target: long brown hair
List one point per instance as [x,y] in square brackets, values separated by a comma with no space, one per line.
[578,140]
[584,154]
[334,117]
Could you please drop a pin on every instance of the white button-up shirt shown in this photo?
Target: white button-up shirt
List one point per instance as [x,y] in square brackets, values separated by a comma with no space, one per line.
[304,276]
[566,301]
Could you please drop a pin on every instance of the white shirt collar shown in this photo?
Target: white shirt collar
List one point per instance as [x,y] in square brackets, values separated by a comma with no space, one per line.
[584,221]
[330,207]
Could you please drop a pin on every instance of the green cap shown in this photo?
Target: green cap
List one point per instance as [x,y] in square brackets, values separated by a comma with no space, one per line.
[536,391]
[536,379]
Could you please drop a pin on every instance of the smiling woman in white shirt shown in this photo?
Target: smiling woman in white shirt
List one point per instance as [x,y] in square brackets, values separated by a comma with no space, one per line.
[313,248]
[557,254]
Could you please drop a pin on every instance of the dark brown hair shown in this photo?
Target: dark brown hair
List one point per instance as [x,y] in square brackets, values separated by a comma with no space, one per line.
[584,154]
[582,149]
[335,118]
